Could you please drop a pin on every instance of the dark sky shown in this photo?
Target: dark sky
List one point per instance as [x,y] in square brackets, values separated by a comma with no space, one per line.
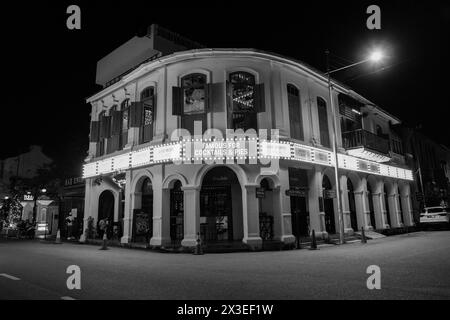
[48,70]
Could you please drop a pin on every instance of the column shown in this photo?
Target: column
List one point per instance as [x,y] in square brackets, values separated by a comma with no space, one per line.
[251,217]
[405,199]
[161,211]
[191,215]
[283,208]
[128,212]
[316,216]
[378,207]
[87,209]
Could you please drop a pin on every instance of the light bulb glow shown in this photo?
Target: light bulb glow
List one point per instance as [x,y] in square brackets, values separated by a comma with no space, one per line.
[376,56]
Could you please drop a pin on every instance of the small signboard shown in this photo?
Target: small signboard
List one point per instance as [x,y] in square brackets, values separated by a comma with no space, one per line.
[297,192]
[329,194]
[260,193]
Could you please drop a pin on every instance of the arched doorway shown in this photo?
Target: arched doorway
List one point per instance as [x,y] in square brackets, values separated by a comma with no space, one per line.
[106,211]
[328,206]
[265,204]
[176,213]
[352,205]
[221,206]
[143,217]
[371,206]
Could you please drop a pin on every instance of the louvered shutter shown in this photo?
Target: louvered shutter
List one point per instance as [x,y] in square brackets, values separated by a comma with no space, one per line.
[136,113]
[116,122]
[105,127]
[208,97]
[95,131]
[177,101]
[229,88]
[259,97]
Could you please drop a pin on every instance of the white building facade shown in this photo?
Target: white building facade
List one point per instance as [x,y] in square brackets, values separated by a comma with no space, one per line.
[164,187]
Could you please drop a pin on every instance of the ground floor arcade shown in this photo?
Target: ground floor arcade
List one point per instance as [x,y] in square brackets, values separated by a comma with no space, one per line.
[169,204]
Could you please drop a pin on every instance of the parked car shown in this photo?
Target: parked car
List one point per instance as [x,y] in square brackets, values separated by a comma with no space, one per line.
[435,216]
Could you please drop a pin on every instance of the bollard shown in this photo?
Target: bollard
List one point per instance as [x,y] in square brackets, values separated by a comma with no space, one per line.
[363,236]
[58,237]
[104,244]
[198,248]
[313,242]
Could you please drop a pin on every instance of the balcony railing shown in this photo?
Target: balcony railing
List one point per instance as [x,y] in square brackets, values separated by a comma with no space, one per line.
[362,138]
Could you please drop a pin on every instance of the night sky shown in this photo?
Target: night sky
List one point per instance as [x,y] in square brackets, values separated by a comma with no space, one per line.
[48,70]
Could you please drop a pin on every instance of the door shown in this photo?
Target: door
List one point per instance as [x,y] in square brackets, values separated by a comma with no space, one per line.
[216,215]
[176,214]
[300,217]
[330,225]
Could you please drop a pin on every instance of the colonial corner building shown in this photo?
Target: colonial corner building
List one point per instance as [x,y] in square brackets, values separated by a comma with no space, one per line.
[163,188]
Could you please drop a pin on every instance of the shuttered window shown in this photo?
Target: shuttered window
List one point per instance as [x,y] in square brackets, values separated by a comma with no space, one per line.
[148,101]
[191,101]
[245,99]
[125,123]
[323,122]
[95,131]
[295,112]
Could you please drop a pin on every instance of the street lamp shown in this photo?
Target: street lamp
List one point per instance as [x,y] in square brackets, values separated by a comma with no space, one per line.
[376,56]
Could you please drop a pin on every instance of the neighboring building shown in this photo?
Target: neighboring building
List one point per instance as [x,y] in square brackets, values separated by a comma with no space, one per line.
[430,162]
[168,191]
[72,207]
[25,166]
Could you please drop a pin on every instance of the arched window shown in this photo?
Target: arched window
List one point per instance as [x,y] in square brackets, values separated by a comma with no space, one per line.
[323,122]
[295,112]
[149,114]
[242,107]
[194,101]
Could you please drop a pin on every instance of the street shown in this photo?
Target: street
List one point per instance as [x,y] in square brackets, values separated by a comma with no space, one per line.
[413,266]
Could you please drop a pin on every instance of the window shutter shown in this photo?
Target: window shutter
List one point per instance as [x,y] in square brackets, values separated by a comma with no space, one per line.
[259,97]
[154,108]
[229,88]
[208,97]
[105,127]
[95,131]
[135,116]
[177,101]
[116,122]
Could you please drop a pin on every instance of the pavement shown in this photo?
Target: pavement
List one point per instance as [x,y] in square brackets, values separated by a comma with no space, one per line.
[413,266]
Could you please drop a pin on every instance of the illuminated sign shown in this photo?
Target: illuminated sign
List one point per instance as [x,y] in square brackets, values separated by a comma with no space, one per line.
[184,152]
[28,197]
[167,152]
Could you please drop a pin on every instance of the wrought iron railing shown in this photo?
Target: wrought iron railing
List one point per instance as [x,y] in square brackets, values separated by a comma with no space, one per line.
[366,139]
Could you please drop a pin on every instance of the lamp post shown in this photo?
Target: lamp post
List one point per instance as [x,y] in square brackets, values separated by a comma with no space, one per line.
[374,57]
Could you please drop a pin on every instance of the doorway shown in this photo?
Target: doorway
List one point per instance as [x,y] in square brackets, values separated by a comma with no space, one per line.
[371,206]
[352,205]
[220,206]
[176,214]
[328,206]
[106,211]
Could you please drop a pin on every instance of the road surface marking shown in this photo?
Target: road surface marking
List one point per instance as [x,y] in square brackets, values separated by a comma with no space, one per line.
[8,276]
[67,298]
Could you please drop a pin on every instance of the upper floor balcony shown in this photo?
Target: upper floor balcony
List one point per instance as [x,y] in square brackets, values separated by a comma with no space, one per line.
[365,144]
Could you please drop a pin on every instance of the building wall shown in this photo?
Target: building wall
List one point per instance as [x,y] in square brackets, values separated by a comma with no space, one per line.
[275,73]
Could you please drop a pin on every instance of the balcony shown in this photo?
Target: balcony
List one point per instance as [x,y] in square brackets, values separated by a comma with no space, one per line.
[364,144]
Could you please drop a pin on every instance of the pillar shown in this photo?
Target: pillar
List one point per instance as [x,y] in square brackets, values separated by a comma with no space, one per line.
[191,215]
[283,208]
[161,211]
[405,199]
[128,212]
[251,217]
[316,217]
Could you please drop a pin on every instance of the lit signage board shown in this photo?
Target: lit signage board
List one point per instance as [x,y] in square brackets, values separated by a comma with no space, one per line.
[275,149]
[238,149]
[104,166]
[141,157]
[122,162]
[167,152]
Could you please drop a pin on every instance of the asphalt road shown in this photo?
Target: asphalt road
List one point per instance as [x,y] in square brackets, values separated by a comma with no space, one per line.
[414,266]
